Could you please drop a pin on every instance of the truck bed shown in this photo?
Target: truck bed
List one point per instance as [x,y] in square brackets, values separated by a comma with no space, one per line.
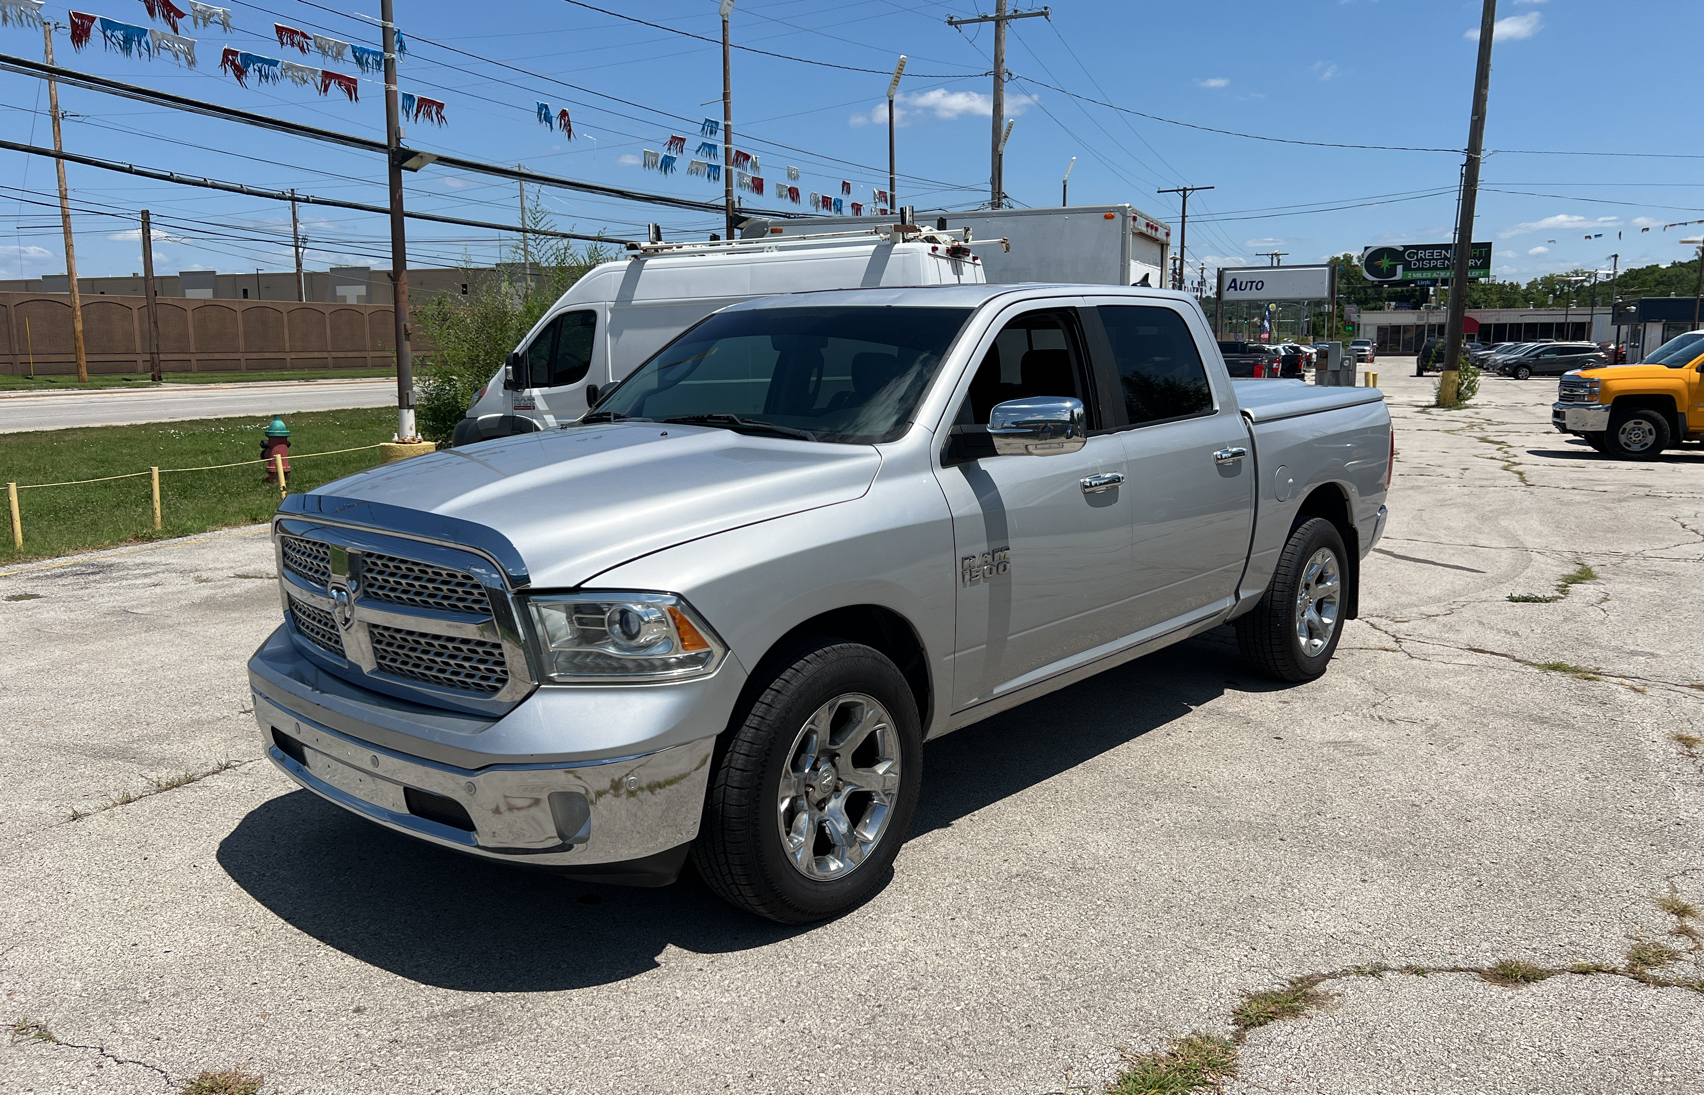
[1272,400]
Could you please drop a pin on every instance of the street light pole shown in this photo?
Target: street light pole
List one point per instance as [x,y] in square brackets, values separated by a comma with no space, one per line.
[997,145]
[727,9]
[893,175]
[1065,185]
[65,214]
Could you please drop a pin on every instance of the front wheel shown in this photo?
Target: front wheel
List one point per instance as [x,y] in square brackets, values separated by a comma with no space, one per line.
[1638,434]
[1293,631]
[1596,441]
[815,787]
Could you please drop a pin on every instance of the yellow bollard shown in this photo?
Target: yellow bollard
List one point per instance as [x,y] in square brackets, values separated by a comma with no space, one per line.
[1372,379]
[278,469]
[17,522]
[155,475]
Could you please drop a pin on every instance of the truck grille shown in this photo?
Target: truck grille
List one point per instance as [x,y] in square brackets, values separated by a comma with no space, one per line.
[467,665]
[309,559]
[317,626]
[422,585]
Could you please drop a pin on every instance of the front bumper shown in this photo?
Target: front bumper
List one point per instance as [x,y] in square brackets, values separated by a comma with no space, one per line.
[509,797]
[1580,417]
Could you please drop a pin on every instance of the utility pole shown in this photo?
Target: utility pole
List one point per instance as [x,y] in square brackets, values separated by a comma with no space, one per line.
[148,296]
[296,246]
[405,430]
[1275,256]
[1698,293]
[1000,155]
[1183,226]
[526,247]
[893,175]
[1457,313]
[1065,184]
[727,9]
[1000,18]
[65,214]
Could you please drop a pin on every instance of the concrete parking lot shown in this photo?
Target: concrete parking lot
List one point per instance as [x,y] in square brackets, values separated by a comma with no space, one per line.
[1476,780]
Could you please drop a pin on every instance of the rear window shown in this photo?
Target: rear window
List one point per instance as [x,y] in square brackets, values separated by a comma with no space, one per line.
[1159,368]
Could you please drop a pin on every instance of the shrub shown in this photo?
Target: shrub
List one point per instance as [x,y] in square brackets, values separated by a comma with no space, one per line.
[1467,376]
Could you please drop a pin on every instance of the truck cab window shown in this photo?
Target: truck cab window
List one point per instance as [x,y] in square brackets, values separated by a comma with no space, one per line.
[1159,368]
[1034,355]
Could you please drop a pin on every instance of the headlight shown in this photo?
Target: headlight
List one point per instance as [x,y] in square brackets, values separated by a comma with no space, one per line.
[605,636]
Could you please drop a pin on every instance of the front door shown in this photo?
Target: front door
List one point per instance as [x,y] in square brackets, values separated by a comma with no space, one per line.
[1042,542]
[1191,467]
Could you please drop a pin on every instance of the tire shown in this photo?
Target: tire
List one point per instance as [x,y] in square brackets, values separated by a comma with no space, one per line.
[1640,433]
[1597,441]
[1522,373]
[775,770]
[1270,637]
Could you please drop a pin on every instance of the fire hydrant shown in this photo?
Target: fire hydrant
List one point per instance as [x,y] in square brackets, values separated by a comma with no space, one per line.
[276,443]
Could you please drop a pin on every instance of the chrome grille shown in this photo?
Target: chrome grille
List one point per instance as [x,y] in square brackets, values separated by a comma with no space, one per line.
[317,626]
[406,582]
[1577,391]
[309,559]
[467,665]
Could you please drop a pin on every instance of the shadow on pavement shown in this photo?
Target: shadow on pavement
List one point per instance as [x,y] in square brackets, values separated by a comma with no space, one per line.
[1668,456]
[444,919]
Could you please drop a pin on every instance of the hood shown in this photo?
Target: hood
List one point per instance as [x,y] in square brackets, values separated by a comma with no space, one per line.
[1631,372]
[576,502]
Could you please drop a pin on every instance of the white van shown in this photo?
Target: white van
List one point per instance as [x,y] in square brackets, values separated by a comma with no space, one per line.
[622,312]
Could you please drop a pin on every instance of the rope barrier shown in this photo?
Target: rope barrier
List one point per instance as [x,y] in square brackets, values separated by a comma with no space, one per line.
[211,467]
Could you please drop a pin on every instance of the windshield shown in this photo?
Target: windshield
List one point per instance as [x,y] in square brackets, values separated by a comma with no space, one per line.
[852,375]
[1677,352]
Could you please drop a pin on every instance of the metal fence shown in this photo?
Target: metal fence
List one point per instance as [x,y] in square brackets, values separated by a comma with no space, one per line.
[196,335]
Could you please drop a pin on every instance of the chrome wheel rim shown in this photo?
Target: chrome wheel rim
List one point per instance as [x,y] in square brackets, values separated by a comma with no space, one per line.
[1318,595]
[839,788]
[1635,435]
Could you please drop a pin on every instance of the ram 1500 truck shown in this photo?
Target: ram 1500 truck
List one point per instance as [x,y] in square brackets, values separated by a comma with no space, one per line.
[1636,411]
[719,616]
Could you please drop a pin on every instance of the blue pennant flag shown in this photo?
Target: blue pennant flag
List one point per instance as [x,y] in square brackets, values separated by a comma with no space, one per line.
[368,60]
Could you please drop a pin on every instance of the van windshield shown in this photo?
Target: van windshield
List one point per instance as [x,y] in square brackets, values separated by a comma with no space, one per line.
[1677,352]
[850,375]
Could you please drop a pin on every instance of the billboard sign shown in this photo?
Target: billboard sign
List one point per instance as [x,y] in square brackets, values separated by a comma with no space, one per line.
[1276,283]
[1423,262]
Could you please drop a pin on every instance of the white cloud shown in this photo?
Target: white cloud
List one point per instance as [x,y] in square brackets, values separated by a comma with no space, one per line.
[1560,220]
[1539,250]
[1325,70]
[29,251]
[455,182]
[1646,222]
[1214,81]
[628,159]
[1512,28]
[943,104]
[134,235]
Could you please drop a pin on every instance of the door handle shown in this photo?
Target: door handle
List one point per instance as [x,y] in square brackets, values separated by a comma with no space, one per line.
[1229,456]
[1100,484]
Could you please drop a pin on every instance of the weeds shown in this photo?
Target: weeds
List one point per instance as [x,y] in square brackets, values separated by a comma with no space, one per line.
[1568,669]
[1189,1064]
[1677,906]
[1688,742]
[230,1081]
[1646,955]
[156,784]
[1260,1008]
[1513,971]
[24,597]
[29,1030]
[1581,573]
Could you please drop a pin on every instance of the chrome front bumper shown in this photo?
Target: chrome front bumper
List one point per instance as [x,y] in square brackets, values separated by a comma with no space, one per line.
[1580,417]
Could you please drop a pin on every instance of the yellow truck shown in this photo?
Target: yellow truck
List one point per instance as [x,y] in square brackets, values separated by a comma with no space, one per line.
[1636,411]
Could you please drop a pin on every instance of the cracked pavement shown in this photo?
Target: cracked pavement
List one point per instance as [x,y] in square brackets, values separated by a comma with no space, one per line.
[1474,780]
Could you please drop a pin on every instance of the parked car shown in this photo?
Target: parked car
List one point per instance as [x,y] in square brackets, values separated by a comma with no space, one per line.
[1552,360]
[1363,348]
[1636,411]
[1292,360]
[1244,360]
[1308,355]
[1430,357]
[1480,354]
[719,616]
[1613,353]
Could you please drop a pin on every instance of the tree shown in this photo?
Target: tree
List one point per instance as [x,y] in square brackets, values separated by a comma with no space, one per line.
[474,333]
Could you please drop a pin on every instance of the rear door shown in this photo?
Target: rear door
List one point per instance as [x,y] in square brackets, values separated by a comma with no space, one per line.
[1042,542]
[1192,466]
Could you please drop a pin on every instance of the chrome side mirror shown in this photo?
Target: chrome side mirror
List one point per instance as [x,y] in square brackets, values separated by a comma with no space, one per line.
[1039,426]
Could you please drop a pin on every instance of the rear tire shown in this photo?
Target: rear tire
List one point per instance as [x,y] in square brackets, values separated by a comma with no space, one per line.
[1293,631]
[815,786]
[1637,434]
[1522,373]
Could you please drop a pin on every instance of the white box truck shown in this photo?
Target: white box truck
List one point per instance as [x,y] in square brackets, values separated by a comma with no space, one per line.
[1078,244]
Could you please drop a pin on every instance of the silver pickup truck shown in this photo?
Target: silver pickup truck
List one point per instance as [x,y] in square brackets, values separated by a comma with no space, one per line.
[718,617]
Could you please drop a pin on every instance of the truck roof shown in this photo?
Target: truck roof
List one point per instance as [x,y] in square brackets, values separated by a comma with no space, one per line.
[950,296]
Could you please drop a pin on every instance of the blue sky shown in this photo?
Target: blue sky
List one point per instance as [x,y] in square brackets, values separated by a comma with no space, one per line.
[1568,77]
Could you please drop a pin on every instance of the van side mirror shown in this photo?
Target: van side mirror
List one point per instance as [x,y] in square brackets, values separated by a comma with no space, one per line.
[1038,426]
[591,395]
[514,372]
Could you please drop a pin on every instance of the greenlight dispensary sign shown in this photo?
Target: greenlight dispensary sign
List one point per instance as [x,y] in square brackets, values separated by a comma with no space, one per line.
[1422,262]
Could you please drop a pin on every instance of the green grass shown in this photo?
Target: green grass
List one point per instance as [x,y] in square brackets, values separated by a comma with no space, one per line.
[67,382]
[229,1081]
[1190,1064]
[1513,971]
[58,520]
[1564,585]
[1259,1008]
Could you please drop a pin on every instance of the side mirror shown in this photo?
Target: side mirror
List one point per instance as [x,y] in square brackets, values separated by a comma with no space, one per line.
[591,395]
[1038,426]
[514,372]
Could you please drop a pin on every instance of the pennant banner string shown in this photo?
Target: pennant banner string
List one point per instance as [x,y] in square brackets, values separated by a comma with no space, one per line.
[205,15]
[165,11]
[20,13]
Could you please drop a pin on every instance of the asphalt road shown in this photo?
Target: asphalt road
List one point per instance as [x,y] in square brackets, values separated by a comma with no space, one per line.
[175,403]
[1097,872]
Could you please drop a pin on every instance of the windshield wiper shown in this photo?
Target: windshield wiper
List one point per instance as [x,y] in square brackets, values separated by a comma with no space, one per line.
[610,416]
[735,422]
